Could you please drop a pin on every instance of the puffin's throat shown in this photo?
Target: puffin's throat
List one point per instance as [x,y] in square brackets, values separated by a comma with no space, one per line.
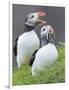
[28,28]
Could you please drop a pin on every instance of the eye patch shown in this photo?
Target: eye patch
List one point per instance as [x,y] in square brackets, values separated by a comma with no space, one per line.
[44,29]
[32,17]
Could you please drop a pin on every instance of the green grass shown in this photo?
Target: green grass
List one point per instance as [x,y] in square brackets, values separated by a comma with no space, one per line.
[53,74]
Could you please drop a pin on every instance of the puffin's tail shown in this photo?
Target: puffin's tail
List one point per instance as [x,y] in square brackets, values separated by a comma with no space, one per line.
[15,47]
[33,57]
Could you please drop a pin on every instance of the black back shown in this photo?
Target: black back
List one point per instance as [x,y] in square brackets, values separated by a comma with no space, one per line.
[33,57]
[15,47]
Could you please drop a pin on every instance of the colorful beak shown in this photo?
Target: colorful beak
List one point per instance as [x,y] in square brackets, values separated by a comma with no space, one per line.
[41,14]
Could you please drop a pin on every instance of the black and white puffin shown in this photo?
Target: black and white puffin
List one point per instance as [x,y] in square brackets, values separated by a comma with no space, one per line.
[28,42]
[47,54]
[47,35]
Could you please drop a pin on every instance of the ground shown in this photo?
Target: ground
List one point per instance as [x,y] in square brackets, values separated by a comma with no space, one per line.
[53,74]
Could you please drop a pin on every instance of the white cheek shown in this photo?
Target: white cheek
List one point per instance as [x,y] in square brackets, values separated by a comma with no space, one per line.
[42,34]
[32,21]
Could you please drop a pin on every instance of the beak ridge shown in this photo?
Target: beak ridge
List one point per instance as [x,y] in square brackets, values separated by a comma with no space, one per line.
[41,13]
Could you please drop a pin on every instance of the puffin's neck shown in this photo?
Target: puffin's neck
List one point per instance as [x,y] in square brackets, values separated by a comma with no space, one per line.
[28,28]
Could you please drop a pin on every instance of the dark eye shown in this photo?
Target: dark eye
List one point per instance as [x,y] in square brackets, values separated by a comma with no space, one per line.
[32,17]
[43,29]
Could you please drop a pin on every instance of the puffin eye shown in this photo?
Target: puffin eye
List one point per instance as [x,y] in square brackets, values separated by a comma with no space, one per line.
[43,29]
[32,17]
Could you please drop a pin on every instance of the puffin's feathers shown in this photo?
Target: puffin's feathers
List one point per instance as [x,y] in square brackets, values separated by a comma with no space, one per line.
[45,57]
[15,47]
[33,57]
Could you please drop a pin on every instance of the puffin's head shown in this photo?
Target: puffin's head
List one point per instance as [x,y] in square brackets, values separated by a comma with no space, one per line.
[47,32]
[34,19]
[44,31]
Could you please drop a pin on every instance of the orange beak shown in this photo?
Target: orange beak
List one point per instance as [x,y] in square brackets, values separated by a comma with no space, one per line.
[41,14]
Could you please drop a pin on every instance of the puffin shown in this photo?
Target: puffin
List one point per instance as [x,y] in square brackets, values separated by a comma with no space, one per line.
[47,35]
[47,54]
[28,42]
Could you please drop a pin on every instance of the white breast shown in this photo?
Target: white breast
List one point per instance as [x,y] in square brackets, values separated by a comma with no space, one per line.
[29,39]
[45,57]
[27,44]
